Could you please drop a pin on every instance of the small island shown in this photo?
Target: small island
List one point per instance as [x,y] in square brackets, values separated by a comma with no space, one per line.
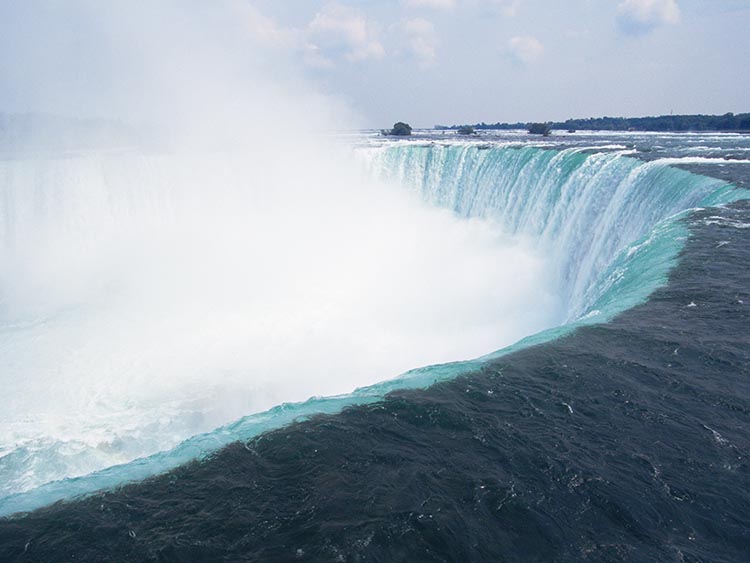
[466,130]
[400,129]
[543,129]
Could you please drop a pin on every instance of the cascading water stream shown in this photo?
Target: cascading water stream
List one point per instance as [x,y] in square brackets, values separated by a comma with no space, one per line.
[160,296]
[582,209]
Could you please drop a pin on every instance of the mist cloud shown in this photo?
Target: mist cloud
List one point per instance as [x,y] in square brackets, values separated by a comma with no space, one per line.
[525,49]
[236,258]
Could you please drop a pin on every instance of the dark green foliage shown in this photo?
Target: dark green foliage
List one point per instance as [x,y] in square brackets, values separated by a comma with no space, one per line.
[540,129]
[729,122]
[400,129]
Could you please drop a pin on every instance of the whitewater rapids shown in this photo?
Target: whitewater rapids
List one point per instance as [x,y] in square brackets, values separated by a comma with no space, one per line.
[151,298]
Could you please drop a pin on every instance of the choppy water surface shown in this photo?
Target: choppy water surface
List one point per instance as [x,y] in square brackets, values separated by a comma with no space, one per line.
[622,440]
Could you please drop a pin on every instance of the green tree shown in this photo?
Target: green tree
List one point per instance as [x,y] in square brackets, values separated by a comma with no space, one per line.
[400,129]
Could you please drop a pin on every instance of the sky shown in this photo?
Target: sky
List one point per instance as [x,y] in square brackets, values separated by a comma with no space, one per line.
[426,62]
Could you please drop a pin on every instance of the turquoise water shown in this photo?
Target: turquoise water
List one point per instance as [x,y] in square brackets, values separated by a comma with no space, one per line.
[610,223]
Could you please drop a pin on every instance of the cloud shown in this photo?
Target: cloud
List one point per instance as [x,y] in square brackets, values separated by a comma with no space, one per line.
[637,17]
[417,37]
[264,29]
[525,49]
[339,31]
[434,4]
[505,7]
[335,33]
[314,57]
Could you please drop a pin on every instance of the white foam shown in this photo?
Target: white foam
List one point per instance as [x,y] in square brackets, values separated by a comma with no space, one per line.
[150,298]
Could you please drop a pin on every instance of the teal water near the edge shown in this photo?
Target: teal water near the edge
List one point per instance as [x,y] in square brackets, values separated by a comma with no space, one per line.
[610,222]
[585,209]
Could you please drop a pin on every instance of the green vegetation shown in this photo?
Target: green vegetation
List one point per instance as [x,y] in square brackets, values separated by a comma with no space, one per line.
[540,129]
[466,130]
[400,129]
[729,122]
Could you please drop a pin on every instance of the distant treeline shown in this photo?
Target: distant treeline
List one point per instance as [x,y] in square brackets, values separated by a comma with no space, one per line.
[727,122]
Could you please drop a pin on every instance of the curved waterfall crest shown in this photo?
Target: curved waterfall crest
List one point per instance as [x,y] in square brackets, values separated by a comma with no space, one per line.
[584,210]
[131,285]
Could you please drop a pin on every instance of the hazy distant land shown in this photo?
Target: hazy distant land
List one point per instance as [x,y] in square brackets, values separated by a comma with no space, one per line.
[729,122]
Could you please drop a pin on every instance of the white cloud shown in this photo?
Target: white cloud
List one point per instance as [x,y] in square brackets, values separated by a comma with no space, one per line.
[339,31]
[526,49]
[505,7]
[314,57]
[264,29]
[417,37]
[641,16]
[434,4]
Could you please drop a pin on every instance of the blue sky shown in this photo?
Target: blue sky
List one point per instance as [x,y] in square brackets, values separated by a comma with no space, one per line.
[422,61]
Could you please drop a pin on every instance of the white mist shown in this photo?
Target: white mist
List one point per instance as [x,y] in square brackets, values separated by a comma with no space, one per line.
[230,263]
